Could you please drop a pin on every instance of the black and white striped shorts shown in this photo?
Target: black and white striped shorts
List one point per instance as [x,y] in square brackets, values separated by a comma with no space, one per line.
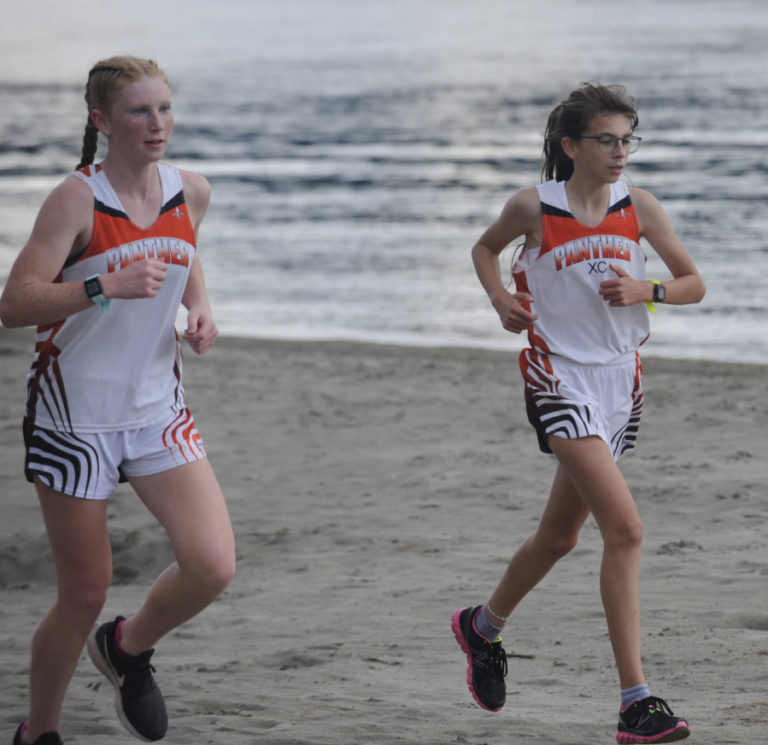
[572,400]
[90,465]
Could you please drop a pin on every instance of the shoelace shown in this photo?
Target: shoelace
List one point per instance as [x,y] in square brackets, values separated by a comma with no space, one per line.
[652,706]
[139,663]
[138,673]
[498,658]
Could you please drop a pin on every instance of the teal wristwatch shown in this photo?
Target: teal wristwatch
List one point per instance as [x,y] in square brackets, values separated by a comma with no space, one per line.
[95,293]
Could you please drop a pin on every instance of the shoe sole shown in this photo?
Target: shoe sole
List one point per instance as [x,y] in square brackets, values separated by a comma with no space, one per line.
[101,662]
[680,732]
[457,632]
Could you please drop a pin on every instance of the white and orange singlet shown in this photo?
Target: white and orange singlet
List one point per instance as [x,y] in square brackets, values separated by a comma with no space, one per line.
[120,369]
[564,274]
[582,372]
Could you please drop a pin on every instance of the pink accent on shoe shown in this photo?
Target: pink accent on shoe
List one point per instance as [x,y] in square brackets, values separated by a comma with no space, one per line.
[679,732]
[456,626]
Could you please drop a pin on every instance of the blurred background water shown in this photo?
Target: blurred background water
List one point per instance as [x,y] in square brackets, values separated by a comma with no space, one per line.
[358,148]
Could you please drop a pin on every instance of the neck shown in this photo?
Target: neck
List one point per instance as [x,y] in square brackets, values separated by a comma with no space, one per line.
[140,181]
[586,189]
[588,201]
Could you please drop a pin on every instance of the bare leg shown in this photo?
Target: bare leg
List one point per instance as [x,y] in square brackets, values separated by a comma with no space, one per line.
[189,504]
[587,480]
[77,531]
[556,535]
[595,475]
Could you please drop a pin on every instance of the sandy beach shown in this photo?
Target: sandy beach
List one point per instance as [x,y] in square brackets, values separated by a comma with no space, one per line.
[375,489]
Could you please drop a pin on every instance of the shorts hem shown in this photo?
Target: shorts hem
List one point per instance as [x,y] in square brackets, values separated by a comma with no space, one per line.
[547,450]
[33,477]
[162,469]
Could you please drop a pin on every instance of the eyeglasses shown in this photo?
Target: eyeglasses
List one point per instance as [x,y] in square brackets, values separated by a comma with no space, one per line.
[608,142]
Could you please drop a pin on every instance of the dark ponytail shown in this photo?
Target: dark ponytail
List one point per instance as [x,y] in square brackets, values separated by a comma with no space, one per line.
[556,163]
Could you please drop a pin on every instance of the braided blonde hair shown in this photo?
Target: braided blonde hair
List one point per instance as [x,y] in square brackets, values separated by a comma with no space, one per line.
[105,79]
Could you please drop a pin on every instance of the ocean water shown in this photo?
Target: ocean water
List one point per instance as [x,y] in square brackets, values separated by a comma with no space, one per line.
[358,148]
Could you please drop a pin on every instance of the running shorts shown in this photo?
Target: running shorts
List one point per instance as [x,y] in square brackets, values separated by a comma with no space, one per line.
[571,400]
[90,465]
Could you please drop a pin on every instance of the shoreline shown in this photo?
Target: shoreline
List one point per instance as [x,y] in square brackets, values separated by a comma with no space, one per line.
[376,488]
[10,338]
[454,347]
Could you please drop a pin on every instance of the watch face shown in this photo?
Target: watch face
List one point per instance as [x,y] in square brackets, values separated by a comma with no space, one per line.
[92,287]
[660,292]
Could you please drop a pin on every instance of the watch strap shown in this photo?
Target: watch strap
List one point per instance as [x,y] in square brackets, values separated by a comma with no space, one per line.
[95,292]
[650,304]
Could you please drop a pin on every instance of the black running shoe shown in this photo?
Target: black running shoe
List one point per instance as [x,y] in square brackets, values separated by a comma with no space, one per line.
[47,738]
[487,661]
[138,700]
[650,720]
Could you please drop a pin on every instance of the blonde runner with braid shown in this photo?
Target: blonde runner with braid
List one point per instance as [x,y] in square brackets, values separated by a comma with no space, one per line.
[111,258]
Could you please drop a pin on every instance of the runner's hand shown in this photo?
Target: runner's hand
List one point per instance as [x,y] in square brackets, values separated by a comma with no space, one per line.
[515,317]
[201,330]
[624,290]
[142,278]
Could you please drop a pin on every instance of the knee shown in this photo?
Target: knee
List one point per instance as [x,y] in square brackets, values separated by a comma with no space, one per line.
[627,536]
[83,602]
[212,575]
[218,577]
[222,574]
[563,545]
[559,544]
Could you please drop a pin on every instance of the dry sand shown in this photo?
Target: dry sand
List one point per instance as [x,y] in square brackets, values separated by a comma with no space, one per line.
[374,490]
